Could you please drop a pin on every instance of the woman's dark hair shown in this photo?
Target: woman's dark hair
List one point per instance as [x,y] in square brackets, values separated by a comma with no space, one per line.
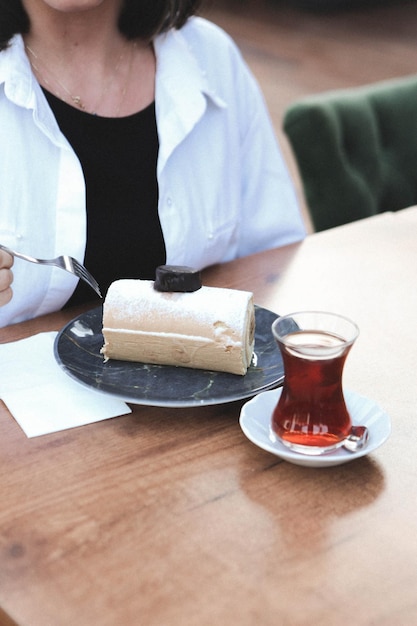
[138,19]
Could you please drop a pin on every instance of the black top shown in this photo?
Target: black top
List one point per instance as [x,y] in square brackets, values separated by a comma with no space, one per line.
[118,157]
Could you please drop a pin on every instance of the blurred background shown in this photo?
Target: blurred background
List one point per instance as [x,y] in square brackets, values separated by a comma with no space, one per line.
[298,48]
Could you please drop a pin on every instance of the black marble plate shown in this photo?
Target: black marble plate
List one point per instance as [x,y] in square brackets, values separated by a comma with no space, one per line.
[77,350]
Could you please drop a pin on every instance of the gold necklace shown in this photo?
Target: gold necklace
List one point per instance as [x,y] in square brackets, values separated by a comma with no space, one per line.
[77,100]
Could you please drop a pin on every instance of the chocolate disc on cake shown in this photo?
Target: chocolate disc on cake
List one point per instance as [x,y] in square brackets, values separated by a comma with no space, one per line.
[178,278]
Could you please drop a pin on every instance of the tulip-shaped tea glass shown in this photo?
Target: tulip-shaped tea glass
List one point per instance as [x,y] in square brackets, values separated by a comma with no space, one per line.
[311,415]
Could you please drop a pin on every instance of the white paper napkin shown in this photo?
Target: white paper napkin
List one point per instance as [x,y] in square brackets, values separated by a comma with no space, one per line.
[41,397]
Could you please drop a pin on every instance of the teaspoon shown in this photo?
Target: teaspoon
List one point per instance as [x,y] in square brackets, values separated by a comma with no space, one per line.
[357,439]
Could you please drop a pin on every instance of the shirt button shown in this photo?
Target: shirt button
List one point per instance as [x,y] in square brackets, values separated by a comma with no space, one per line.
[169,201]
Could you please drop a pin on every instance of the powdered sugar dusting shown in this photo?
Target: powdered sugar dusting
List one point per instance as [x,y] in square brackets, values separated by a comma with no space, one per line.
[136,301]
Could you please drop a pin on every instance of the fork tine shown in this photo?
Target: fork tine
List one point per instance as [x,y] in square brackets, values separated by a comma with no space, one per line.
[93,283]
[84,274]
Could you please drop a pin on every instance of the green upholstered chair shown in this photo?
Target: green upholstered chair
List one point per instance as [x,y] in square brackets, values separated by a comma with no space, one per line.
[356,150]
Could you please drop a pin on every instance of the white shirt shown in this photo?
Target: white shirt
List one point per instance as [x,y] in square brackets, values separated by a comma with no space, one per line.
[224,190]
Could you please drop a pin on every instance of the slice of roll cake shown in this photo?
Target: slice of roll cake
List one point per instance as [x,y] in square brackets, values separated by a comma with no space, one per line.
[211,328]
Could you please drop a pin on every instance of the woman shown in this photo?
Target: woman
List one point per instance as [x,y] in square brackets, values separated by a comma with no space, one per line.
[132,135]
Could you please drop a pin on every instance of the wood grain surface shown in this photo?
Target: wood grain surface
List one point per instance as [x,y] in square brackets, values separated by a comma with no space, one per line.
[172,517]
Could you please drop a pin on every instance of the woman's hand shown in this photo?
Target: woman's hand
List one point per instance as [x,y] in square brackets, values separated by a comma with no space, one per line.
[6,277]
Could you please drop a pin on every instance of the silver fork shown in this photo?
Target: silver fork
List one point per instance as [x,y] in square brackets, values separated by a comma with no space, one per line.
[65,262]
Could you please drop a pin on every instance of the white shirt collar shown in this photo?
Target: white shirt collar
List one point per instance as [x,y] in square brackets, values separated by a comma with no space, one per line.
[182,91]
[21,88]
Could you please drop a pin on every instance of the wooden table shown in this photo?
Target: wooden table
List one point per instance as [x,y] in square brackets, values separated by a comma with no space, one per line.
[172,517]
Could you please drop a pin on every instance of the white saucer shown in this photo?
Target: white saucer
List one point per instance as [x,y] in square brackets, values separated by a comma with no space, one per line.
[255,421]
